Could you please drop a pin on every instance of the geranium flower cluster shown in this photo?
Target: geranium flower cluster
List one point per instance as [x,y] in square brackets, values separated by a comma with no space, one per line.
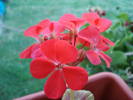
[62,45]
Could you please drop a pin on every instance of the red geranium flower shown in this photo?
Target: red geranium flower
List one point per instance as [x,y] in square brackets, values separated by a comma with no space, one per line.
[71,22]
[96,52]
[97,44]
[43,30]
[35,31]
[58,53]
[94,19]
[55,55]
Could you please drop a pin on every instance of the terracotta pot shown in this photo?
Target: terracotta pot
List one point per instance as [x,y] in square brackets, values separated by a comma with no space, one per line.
[104,86]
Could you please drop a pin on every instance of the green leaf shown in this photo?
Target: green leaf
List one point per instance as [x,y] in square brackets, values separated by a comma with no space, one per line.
[118,57]
[84,26]
[79,46]
[123,16]
[116,25]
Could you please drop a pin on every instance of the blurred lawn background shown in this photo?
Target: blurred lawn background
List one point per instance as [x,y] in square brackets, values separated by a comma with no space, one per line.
[15,79]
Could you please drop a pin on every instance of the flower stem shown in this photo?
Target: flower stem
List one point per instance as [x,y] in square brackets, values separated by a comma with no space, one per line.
[75,37]
[71,94]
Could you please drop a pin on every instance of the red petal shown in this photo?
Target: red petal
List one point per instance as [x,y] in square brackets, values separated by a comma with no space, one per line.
[59,51]
[107,41]
[71,22]
[40,68]
[90,34]
[93,57]
[37,53]
[68,17]
[51,27]
[58,28]
[65,20]
[90,17]
[83,42]
[78,23]
[76,77]
[103,24]
[55,85]
[28,51]
[94,19]
[102,46]
[44,23]
[48,49]
[33,31]
[68,25]
[63,36]
[65,53]
[106,58]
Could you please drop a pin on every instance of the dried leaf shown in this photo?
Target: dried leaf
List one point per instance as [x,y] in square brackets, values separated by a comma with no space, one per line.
[78,95]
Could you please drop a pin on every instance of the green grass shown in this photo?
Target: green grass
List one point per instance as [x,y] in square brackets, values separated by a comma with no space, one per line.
[15,79]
